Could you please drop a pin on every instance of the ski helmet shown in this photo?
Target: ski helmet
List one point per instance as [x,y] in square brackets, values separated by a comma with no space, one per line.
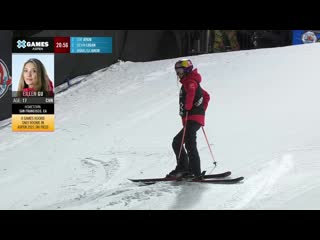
[184,66]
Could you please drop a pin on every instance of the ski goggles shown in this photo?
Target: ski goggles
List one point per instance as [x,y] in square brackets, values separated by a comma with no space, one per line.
[179,71]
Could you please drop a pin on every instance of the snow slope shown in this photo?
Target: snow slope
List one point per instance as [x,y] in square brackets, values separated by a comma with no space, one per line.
[119,123]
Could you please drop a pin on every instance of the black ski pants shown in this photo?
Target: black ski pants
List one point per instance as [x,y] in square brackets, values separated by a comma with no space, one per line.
[189,158]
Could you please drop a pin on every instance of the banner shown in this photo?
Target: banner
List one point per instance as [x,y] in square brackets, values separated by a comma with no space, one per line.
[305,36]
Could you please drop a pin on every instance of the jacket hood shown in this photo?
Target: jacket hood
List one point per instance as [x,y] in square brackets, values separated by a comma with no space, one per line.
[194,75]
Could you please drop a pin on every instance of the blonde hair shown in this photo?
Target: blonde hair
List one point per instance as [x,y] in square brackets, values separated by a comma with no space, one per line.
[42,83]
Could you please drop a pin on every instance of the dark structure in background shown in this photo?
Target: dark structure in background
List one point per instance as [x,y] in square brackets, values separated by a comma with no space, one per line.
[271,38]
[137,46]
[252,39]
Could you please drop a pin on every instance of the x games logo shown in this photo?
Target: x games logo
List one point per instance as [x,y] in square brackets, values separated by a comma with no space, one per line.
[21,44]
[33,44]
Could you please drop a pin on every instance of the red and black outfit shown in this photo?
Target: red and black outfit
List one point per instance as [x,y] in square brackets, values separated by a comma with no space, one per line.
[195,100]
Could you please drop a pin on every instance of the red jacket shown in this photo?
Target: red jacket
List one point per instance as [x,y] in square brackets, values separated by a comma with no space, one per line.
[190,86]
[31,91]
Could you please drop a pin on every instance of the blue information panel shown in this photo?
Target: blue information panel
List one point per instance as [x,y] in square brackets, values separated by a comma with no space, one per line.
[91,45]
[305,36]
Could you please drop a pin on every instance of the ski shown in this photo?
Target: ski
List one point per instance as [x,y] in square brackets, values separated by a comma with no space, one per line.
[167,179]
[220,181]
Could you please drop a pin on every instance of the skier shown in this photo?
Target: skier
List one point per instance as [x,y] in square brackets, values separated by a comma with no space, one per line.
[193,101]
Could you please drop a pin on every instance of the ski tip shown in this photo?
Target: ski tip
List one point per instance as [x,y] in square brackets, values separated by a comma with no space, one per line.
[239,179]
[141,182]
[134,180]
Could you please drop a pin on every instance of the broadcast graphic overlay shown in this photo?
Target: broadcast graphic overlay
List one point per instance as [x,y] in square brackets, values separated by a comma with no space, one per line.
[91,45]
[33,77]
[33,85]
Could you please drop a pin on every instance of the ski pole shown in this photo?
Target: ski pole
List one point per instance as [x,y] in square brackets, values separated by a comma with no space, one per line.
[184,132]
[205,135]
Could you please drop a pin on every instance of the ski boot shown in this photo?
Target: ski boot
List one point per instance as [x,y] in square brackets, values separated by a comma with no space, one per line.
[191,176]
[178,173]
